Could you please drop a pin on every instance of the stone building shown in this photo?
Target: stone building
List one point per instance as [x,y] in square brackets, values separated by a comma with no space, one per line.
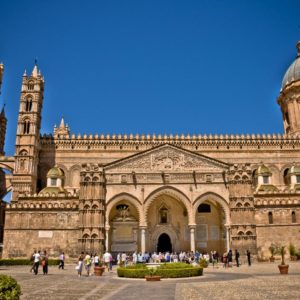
[152,192]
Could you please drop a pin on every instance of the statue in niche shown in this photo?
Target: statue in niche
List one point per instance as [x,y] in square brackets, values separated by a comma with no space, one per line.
[163,212]
[123,213]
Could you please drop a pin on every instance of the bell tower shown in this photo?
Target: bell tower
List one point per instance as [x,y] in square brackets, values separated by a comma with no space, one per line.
[28,133]
[289,98]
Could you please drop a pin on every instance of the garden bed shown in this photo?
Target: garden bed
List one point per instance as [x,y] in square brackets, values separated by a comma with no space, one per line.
[166,270]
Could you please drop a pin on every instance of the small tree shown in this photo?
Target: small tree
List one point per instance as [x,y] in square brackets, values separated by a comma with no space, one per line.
[282,252]
[292,250]
[273,249]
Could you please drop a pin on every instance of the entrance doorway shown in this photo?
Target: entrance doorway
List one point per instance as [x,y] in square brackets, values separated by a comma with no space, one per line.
[164,243]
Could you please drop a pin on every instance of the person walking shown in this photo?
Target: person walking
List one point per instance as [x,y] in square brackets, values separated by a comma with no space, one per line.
[106,258]
[45,262]
[237,257]
[88,263]
[62,261]
[36,260]
[80,264]
[229,258]
[248,257]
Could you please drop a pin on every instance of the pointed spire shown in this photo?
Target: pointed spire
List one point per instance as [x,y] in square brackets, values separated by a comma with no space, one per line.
[25,74]
[62,123]
[2,114]
[35,71]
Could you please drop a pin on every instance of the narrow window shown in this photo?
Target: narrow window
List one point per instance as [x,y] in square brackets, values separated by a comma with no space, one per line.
[53,181]
[30,85]
[270,216]
[293,217]
[298,178]
[265,179]
[163,215]
[285,177]
[26,127]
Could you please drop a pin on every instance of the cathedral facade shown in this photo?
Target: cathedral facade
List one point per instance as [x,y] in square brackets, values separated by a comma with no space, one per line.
[150,192]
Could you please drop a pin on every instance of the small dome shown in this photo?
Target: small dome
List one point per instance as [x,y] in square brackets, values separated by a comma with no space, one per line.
[293,72]
[55,173]
[262,170]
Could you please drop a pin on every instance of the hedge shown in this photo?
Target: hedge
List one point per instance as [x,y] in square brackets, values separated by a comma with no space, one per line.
[9,288]
[24,262]
[170,270]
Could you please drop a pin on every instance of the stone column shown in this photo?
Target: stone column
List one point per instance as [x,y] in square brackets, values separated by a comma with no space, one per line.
[107,237]
[227,238]
[192,237]
[143,239]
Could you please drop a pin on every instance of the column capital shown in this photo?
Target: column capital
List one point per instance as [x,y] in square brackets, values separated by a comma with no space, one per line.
[142,227]
[192,226]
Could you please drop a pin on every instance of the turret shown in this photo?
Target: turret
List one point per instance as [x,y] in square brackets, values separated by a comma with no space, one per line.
[28,133]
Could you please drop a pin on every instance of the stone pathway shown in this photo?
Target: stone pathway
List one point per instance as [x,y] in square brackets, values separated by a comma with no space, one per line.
[258,282]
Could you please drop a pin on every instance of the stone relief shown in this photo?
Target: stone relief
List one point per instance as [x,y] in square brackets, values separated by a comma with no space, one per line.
[169,159]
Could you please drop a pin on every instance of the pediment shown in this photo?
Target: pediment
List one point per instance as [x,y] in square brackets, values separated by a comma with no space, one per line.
[166,158]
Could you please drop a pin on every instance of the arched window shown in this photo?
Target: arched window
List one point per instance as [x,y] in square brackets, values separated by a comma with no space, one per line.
[163,213]
[204,208]
[254,177]
[23,152]
[28,104]
[30,85]
[286,179]
[294,217]
[270,216]
[26,127]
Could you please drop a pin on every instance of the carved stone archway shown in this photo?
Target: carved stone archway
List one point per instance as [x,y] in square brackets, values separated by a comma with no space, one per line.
[174,193]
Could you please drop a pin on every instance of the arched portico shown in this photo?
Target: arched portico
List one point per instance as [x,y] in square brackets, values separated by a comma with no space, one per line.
[123,216]
[168,211]
[212,215]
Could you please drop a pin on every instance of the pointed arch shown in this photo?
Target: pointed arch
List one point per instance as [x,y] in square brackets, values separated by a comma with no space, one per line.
[124,197]
[173,192]
[215,197]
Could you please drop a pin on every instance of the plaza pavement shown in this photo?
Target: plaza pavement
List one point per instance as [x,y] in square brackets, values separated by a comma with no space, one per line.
[258,282]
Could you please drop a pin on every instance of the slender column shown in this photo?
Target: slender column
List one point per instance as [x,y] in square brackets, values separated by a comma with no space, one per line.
[143,239]
[107,238]
[192,237]
[227,238]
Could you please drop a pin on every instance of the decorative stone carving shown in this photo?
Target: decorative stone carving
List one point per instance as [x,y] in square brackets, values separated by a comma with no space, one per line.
[169,158]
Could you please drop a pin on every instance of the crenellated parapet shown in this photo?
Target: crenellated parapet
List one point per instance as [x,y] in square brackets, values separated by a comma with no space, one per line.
[248,142]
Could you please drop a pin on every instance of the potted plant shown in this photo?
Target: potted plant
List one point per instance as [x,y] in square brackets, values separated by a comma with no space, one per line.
[272,250]
[283,268]
[99,270]
[152,276]
[293,252]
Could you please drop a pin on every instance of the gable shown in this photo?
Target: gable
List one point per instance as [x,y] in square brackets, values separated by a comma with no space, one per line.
[167,158]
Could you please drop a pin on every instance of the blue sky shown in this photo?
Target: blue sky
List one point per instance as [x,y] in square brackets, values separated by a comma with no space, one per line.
[150,66]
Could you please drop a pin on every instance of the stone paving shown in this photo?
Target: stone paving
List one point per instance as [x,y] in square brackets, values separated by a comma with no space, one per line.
[260,281]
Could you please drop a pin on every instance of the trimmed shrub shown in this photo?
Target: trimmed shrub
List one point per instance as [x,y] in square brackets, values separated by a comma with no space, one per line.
[9,288]
[203,263]
[24,262]
[167,270]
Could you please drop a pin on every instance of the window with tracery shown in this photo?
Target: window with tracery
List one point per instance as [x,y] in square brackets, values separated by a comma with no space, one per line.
[31,85]
[28,104]
[26,127]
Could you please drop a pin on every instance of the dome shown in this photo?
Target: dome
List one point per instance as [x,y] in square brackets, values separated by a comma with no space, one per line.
[55,173]
[293,72]
[262,170]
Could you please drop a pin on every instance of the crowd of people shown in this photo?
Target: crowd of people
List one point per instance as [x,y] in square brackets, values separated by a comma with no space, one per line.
[86,260]
[187,257]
